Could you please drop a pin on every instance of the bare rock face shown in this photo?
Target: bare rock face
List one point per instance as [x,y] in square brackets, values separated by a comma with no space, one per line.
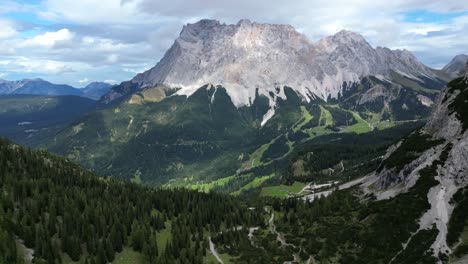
[456,67]
[245,56]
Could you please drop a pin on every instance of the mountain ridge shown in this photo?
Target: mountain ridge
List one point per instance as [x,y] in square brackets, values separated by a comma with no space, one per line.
[248,56]
[456,67]
[38,86]
[438,150]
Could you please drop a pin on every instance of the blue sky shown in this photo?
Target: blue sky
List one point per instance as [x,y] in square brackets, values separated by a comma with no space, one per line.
[76,42]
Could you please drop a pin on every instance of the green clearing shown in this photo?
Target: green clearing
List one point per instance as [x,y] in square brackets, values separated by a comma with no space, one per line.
[385,124]
[360,127]
[164,236]
[321,129]
[282,190]
[255,183]
[327,115]
[210,258]
[67,260]
[206,187]
[255,158]
[128,256]
[306,117]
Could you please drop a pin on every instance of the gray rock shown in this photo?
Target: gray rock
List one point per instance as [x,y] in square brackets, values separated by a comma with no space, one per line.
[244,56]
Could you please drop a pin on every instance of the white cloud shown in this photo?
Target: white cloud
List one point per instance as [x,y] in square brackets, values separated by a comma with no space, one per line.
[91,11]
[27,65]
[51,39]
[115,39]
[111,81]
[7,29]
[83,81]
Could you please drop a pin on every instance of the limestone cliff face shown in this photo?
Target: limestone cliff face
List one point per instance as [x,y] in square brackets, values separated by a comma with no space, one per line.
[245,56]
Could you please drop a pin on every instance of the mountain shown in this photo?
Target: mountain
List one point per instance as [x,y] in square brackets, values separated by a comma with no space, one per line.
[41,87]
[455,68]
[95,90]
[31,119]
[435,156]
[251,58]
[412,209]
[36,87]
[210,111]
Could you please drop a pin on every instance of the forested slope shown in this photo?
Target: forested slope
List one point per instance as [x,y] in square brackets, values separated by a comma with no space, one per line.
[62,211]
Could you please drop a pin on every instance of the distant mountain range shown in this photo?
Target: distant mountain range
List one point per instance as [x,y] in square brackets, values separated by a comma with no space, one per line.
[38,86]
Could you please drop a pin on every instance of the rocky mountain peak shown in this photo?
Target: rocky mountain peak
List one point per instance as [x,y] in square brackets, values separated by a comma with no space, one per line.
[346,36]
[244,22]
[198,29]
[456,67]
[247,56]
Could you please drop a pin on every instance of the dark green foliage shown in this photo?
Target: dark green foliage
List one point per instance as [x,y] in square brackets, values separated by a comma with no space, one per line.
[44,116]
[101,214]
[315,111]
[343,228]
[297,136]
[359,153]
[409,150]
[408,106]
[201,135]
[459,103]
[258,108]
[8,250]
[276,149]
[341,118]
[458,221]
[418,250]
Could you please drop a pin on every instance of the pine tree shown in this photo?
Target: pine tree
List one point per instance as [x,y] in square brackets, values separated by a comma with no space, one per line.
[151,248]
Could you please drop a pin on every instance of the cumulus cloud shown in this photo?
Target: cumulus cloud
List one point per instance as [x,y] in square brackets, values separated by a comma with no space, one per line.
[42,66]
[7,29]
[27,65]
[115,39]
[51,39]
